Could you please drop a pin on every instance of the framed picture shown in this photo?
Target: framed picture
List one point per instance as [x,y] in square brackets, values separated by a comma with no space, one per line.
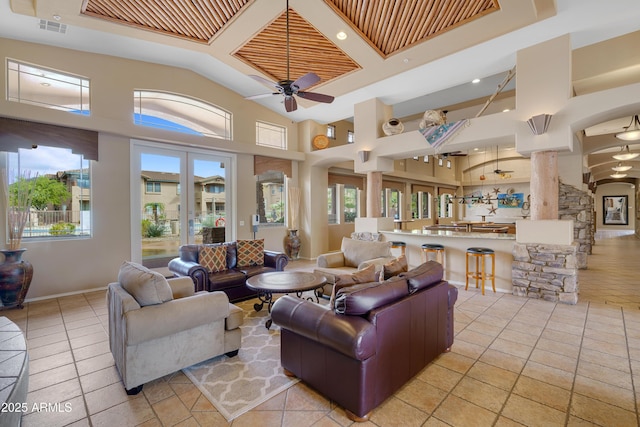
[614,210]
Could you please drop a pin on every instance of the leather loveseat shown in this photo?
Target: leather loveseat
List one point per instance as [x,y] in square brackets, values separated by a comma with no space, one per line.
[232,278]
[377,338]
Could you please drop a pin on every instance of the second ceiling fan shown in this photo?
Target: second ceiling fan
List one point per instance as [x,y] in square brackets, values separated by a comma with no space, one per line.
[291,88]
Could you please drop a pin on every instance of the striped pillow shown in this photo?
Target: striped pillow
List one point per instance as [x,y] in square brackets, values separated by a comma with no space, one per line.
[213,258]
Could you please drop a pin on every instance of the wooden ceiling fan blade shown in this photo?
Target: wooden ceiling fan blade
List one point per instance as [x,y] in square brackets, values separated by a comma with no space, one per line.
[318,97]
[306,81]
[290,104]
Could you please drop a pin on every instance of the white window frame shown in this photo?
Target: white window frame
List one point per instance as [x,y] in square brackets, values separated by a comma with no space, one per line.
[278,135]
[181,113]
[43,87]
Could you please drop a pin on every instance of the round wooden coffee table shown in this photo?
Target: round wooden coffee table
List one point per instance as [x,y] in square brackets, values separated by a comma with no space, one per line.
[284,282]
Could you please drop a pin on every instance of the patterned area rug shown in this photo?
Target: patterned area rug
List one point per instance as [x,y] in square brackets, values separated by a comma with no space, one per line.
[238,384]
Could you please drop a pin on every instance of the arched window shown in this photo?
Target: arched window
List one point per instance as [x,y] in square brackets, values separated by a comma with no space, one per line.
[180,113]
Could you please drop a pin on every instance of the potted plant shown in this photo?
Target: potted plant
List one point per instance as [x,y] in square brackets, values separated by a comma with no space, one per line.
[15,273]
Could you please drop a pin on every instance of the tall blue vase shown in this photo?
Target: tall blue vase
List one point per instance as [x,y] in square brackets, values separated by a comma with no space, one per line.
[15,279]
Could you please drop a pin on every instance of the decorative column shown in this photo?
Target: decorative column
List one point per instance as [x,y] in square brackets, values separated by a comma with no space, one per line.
[374,187]
[544,185]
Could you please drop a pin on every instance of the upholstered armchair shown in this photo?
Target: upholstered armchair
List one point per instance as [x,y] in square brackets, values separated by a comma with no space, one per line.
[354,255]
[159,326]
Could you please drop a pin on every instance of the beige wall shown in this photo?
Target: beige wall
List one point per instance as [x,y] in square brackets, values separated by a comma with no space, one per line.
[75,265]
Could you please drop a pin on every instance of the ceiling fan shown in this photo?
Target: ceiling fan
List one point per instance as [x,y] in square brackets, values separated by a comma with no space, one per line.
[498,171]
[290,88]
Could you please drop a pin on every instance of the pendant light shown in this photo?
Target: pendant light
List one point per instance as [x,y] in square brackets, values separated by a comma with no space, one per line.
[618,175]
[630,134]
[625,154]
[621,168]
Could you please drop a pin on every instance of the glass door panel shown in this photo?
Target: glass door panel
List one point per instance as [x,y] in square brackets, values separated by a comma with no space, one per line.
[160,206]
[209,199]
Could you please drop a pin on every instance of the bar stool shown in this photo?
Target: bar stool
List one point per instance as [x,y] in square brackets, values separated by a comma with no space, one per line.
[480,255]
[397,244]
[434,248]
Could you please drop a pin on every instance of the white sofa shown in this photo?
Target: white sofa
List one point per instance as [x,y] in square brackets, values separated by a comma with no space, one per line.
[158,326]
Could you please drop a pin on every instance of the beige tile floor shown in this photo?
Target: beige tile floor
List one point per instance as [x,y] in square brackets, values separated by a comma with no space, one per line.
[515,361]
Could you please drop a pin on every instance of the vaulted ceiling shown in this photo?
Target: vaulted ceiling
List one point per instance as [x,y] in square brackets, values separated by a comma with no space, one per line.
[412,54]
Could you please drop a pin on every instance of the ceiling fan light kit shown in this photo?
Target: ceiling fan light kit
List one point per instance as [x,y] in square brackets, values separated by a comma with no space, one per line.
[625,154]
[631,134]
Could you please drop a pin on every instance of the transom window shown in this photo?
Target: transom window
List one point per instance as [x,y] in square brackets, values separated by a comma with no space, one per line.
[44,87]
[180,113]
[270,135]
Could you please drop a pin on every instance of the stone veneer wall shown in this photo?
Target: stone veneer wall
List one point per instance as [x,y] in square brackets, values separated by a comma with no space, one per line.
[577,205]
[548,272]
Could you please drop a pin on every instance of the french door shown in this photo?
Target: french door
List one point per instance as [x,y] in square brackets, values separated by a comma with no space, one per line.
[176,194]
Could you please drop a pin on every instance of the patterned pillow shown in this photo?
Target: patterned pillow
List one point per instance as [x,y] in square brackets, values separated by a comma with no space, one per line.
[250,253]
[213,258]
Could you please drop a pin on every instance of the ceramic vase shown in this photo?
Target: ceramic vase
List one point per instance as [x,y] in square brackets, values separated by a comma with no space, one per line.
[392,127]
[15,279]
[292,244]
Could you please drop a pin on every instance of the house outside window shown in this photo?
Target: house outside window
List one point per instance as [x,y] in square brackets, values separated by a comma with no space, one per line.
[153,187]
[61,207]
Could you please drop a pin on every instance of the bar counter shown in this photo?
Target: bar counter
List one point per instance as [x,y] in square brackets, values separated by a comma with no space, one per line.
[455,246]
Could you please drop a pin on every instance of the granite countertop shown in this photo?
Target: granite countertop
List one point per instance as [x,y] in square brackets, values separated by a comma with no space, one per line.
[454,234]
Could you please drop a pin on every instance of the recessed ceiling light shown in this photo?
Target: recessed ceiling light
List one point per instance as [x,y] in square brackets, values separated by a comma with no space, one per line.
[341,35]
[506,110]
[475,81]
[45,84]
[57,17]
[618,175]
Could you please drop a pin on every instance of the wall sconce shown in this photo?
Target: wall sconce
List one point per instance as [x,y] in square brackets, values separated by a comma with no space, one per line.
[540,123]
[363,155]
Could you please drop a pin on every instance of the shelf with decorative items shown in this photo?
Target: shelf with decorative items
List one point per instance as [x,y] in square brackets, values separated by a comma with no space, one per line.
[16,273]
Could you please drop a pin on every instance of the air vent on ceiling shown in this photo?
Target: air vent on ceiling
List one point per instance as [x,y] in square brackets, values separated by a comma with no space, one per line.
[54,26]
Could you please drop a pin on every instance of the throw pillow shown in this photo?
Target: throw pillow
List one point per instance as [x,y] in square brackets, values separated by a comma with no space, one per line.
[394,267]
[366,275]
[146,286]
[213,258]
[250,253]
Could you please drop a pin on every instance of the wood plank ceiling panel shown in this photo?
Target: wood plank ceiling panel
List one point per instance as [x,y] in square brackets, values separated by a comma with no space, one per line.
[195,20]
[310,51]
[390,25]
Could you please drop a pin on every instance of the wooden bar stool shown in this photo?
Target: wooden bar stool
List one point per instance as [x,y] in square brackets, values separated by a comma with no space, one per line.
[480,272]
[397,244]
[433,248]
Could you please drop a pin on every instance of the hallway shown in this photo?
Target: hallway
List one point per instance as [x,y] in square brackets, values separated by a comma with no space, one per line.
[612,276]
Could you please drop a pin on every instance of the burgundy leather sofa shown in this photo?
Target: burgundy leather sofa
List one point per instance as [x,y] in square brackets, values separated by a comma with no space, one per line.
[379,336]
[232,280]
